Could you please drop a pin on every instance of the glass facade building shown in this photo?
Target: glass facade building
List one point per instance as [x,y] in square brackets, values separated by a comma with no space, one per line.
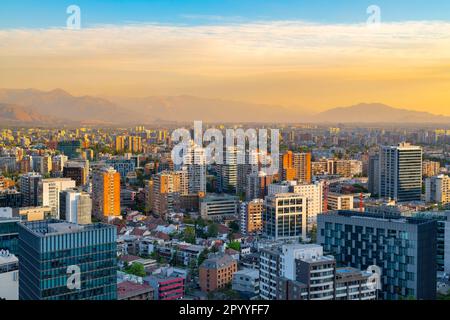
[55,254]
[403,248]
[9,234]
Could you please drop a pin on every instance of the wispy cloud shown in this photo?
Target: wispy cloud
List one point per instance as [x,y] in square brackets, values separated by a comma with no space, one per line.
[239,59]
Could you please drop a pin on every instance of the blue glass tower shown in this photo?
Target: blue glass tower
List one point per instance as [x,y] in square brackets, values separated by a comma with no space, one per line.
[65,261]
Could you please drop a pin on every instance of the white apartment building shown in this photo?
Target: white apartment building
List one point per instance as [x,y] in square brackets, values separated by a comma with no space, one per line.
[437,189]
[314,200]
[49,192]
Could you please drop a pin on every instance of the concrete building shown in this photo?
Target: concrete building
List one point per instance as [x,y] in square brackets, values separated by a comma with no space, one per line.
[216,272]
[33,213]
[401,172]
[9,276]
[219,206]
[430,168]
[29,187]
[314,200]
[246,282]
[106,193]
[285,217]
[50,193]
[338,201]
[437,189]
[76,207]
[251,216]
[374,174]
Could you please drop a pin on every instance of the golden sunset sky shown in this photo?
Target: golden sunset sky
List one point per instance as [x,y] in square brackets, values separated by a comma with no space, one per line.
[292,63]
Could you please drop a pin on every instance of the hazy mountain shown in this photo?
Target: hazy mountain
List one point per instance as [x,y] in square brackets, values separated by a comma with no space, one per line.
[29,105]
[11,113]
[190,108]
[60,104]
[377,113]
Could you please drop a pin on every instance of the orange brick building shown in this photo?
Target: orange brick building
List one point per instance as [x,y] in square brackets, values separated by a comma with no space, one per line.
[216,272]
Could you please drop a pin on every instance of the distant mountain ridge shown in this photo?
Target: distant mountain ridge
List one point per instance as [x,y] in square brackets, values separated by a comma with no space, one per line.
[377,113]
[30,105]
[11,113]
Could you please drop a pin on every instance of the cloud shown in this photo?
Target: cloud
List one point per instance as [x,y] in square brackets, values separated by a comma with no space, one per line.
[292,62]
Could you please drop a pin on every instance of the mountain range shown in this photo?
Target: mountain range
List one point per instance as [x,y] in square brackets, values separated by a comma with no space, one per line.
[30,106]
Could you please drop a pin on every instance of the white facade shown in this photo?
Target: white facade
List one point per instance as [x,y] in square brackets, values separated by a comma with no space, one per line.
[437,189]
[6,212]
[290,252]
[314,200]
[50,192]
[9,276]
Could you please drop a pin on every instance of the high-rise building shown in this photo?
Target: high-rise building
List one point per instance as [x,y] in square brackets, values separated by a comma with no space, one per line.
[72,148]
[227,172]
[430,168]
[134,144]
[314,200]
[120,143]
[403,248]
[302,166]
[287,171]
[374,174]
[284,217]
[76,171]
[401,172]
[29,187]
[75,207]
[251,216]
[9,234]
[106,193]
[65,261]
[195,164]
[49,193]
[437,189]
[58,163]
[167,187]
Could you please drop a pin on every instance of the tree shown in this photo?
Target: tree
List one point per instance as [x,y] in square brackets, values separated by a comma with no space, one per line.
[136,269]
[234,226]
[235,245]
[202,256]
[213,230]
[189,235]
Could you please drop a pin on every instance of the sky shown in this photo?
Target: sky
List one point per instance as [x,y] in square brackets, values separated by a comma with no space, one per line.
[313,55]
